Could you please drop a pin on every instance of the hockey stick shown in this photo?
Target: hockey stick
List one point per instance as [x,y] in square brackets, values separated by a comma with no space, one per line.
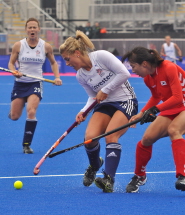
[173,58]
[30,76]
[36,169]
[95,138]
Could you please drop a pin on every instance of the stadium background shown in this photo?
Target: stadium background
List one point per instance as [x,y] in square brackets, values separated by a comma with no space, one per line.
[129,24]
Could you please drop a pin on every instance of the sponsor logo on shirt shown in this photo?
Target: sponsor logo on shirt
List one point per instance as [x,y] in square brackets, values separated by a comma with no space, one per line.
[163,83]
[103,81]
[32,59]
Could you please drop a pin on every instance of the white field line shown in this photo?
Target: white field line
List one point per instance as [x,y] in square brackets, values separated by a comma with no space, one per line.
[64,103]
[72,175]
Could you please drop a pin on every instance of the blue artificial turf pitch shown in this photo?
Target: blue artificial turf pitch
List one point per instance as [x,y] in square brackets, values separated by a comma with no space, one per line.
[58,189]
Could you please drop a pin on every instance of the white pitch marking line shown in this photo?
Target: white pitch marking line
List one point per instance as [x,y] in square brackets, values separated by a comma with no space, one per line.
[71,175]
[62,103]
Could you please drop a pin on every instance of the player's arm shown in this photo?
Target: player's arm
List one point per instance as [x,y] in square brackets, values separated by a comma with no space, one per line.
[179,52]
[112,63]
[91,99]
[79,117]
[153,101]
[162,51]
[13,59]
[176,89]
[88,90]
[149,111]
[54,65]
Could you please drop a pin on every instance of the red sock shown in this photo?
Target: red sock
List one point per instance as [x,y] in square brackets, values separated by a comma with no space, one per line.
[178,148]
[143,155]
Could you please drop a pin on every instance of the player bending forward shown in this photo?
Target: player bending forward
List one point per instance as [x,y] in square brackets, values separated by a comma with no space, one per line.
[105,79]
[166,83]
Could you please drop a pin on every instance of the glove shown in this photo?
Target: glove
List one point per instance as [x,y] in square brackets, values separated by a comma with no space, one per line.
[149,115]
[180,59]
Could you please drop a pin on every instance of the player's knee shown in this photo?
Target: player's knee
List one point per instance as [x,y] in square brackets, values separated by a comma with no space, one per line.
[13,117]
[147,140]
[89,134]
[31,113]
[111,139]
[172,131]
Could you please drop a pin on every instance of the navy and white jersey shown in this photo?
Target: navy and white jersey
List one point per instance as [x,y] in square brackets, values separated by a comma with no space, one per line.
[107,74]
[169,51]
[31,60]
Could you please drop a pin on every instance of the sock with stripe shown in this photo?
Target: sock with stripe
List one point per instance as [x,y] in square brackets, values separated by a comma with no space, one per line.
[178,148]
[112,158]
[29,131]
[143,155]
[94,156]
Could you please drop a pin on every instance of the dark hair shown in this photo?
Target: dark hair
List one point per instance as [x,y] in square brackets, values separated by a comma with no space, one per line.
[140,54]
[32,19]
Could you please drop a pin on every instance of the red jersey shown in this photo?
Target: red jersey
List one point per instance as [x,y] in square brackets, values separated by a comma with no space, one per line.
[167,84]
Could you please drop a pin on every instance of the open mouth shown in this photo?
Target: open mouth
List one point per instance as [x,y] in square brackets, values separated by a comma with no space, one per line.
[32,34]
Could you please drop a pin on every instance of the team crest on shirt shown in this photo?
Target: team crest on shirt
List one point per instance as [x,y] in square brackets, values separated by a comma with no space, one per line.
[37,53]
[100,72]
[163,83]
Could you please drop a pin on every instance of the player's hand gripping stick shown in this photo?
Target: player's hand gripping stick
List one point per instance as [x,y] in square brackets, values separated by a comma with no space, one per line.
[26,75]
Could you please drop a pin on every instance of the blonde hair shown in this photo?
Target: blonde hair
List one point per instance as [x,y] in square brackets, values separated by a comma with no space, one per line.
[81,43]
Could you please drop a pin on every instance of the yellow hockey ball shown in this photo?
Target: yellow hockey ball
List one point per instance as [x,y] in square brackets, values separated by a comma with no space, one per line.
[18,185]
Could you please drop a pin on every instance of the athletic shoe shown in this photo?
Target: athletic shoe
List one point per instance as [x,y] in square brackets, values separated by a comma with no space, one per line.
[90,174]
[106,183]
[180,183]
[27,150]
[133,185]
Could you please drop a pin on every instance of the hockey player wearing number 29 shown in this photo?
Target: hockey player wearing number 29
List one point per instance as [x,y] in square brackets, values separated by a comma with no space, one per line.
[105,79]
[31,53]
[166,83]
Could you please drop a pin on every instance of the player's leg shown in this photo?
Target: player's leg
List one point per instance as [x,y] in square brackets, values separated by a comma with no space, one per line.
[176,130]
[17,106]
[96,126]
[18,99]
[31,122]
[155,131]
[120,113]
[113,152]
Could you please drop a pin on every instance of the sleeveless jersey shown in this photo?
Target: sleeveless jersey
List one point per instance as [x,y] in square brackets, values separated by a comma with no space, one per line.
[31,60]
[107,74]
[170,52]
